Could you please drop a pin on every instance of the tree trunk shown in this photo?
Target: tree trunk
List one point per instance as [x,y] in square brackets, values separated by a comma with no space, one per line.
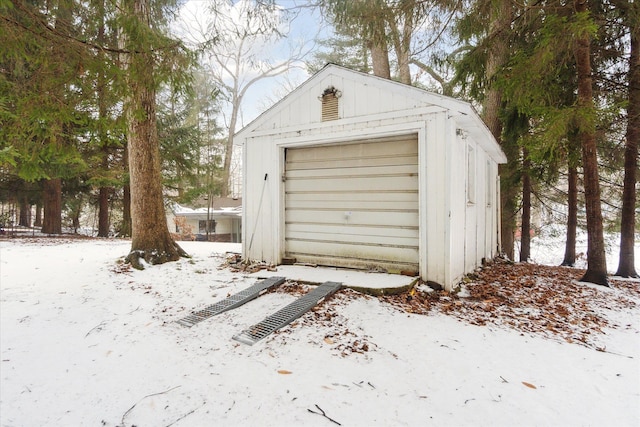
[572,218]
[25,213]
[402,44]
[103,196]
[497,56]
[626,263]
[228,150]
[596,261]
[525,227]
[38,221]
[52,200]
[151,240]
[125,229]
[103,212]
[380,60]
[75,216]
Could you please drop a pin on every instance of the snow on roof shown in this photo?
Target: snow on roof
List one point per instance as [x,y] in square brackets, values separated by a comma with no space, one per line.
[180,210]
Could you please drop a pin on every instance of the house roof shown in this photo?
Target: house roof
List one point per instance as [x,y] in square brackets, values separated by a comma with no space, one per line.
[465,115]
[221,206]
[226,202]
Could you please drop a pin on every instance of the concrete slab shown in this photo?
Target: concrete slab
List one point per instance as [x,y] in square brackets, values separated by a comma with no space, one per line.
[362,281]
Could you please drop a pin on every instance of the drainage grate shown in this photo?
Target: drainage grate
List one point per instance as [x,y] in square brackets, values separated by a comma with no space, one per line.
[287,314]
[231,302]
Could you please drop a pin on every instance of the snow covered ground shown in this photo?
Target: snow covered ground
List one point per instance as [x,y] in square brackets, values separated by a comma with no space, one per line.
[84,341]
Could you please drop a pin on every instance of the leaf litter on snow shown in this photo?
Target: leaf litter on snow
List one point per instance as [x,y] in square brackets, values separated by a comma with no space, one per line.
[538,299]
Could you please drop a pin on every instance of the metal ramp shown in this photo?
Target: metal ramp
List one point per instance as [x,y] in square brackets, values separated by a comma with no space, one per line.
[287,314]
[231,302]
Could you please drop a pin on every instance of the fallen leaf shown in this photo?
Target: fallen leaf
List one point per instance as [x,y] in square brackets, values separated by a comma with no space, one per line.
[285,372]
[328,340]
[529,385]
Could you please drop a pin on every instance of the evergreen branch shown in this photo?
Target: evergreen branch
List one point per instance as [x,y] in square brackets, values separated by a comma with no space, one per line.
[60,35]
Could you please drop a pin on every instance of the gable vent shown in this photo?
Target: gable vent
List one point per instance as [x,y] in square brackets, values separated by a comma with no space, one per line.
[330,104]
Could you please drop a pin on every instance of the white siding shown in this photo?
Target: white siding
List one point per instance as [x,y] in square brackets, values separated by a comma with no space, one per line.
[457,209]
[434,199]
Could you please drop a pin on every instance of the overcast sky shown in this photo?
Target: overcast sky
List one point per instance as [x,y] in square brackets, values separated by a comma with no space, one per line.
[191,26]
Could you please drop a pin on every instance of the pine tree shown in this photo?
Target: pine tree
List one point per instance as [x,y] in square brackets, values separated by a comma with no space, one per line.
[42,86]
[150,239]
[596,259]
[626,263]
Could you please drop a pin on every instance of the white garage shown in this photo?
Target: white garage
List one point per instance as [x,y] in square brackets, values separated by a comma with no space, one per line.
[351,170]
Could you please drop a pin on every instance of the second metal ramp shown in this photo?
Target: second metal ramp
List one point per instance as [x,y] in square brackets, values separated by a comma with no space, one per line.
[231,302]
[287,314]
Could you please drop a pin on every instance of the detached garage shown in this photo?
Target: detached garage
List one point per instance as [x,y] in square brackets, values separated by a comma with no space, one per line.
[351,170]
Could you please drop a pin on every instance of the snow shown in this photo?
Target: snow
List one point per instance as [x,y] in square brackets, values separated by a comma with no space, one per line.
[548,247]
[351,278]
[86,341]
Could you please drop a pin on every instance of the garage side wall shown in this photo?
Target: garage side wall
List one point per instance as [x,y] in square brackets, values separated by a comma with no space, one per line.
[480,211]
[261,181]
[457,208]
[435,200]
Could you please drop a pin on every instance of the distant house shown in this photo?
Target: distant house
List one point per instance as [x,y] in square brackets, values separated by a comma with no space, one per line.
[224,219]
[357,171]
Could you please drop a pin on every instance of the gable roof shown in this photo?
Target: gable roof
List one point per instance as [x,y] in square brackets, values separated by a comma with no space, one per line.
[463,112]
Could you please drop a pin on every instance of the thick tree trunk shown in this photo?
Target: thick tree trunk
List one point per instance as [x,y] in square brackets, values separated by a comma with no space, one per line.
[508,209]
[151,240]
[497,56]
[38,221]
[125,229]
[572,218]
[103,212]
[525,228]
[52,200]
[104,192]
[626,263]
[402,45]
[596,261]
[25,213]
[380,60]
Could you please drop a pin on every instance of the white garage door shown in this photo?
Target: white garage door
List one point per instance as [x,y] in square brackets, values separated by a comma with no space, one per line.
[353,205]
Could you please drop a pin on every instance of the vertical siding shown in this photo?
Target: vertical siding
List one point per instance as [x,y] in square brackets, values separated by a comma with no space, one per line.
[481,206]
[457,210]
[434,198]
[259,214]
[471,215]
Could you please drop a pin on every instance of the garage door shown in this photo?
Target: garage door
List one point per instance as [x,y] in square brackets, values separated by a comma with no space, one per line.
[353,205]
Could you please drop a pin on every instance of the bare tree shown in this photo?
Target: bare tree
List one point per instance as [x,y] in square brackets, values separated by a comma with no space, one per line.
[238,42]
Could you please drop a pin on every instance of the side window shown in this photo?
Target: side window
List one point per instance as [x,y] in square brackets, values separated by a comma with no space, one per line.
[202,226]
